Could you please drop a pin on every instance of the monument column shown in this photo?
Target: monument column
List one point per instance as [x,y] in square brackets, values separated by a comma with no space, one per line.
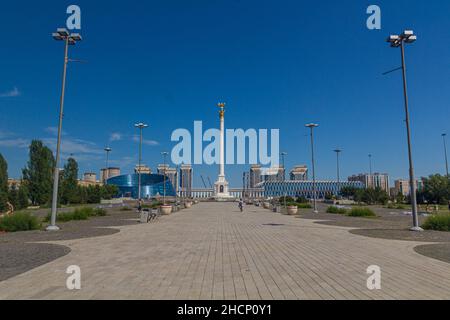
[221,185]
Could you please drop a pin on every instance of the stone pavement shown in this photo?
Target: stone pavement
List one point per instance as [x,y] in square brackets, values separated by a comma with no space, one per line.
[212,251]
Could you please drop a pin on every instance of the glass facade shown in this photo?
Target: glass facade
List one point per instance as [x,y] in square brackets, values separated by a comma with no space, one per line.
[305,188]
[152,185]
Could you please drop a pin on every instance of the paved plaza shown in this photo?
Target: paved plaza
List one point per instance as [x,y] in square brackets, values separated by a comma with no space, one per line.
[212,251]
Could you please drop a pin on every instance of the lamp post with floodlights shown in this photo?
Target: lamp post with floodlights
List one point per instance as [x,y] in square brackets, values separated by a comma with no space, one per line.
[61,34]
[311,126]
[140,126]
[396,41]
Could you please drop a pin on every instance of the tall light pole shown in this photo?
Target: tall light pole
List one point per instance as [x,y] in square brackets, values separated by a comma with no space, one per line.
[399,41]
[444,135]
[141,126]
[61,34]
[338,151]
[311,126]
[283,155]
[370,164]
[164,154]
[107,150]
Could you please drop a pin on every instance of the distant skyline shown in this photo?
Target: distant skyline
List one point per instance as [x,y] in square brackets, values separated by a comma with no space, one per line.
[277,65]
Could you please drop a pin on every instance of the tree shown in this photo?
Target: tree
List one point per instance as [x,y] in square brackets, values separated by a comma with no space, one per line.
[437,189]
[69,183]
[3,184]
[38,173]
[348,192]
[400,198]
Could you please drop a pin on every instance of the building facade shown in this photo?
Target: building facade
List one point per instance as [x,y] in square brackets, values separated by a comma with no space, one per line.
[107,173]
[305,188]
[152,185]
[171,174]
[376,180]
[299,173]
[185,189]
[402,186]
[255,175]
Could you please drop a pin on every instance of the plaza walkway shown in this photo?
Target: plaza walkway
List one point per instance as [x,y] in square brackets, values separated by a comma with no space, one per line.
[212,251]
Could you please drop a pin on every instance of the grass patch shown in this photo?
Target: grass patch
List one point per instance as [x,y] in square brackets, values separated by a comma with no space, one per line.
[20,221]
[361,212]
[304,206]
[78,214]
[336,210]
[440,222]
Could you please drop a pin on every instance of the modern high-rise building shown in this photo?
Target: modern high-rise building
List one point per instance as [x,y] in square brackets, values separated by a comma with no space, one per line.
[186,180]
[273,174]
[143,169]
[255,175]
[171,174]
[107,173]
[402,186]
[376,180]
[299,173]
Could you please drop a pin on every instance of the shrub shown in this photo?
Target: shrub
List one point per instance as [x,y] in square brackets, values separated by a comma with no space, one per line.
[361,212]
[20,221]
[304,206]
[126,209]
[336,210]
[78,214]
[439,222]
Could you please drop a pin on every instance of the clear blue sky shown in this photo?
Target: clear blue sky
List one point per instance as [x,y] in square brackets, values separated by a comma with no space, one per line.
[277,64]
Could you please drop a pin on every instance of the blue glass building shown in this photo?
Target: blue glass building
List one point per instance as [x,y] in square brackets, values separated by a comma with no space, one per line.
[305,188]
[152,185]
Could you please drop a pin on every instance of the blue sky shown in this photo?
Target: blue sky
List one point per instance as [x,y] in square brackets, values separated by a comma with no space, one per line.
[277,64]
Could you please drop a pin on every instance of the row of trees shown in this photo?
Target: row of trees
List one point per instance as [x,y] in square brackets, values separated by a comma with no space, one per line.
[369,195]
[436,189]
[37,183]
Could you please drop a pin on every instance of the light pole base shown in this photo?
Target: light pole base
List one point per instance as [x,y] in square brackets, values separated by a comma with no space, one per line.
[416,229]
[52,228]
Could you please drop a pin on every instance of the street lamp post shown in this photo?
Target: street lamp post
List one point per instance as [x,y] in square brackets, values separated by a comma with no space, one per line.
[444,135]
[283,155]
[399,41]
[107,150]
[141,126]
[61,34]
[311,126]
[164,154]
[338,151]
[370,165]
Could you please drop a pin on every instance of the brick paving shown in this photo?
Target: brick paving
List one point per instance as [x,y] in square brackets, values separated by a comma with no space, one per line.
[212,251]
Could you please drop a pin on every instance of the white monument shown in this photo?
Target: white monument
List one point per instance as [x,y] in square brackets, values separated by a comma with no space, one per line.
[221,186]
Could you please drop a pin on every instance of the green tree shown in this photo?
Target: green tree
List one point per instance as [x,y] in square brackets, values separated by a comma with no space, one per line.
[22,197]
[38,173]
[348,192]
[400,198]
[437,189]
[69,183]
[3,183]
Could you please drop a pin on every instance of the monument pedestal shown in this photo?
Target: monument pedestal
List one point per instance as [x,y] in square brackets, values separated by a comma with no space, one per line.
[221,192]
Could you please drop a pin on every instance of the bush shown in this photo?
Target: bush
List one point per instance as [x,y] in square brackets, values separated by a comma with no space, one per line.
[304,206]
[20,221]
[78,214]
[126,209]
[361,212]
[336,210]
[439,222]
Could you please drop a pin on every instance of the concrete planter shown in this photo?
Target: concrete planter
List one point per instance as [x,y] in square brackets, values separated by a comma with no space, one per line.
[292,210]
[188,204]
[266,205]
[166,209]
